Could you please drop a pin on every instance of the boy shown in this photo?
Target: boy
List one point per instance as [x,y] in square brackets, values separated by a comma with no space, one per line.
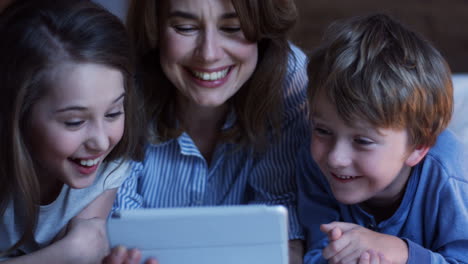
[382,180]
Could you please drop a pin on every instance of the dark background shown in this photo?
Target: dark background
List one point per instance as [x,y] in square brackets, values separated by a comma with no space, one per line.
[443,22]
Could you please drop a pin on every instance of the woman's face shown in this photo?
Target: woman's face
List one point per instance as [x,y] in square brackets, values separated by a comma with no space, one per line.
[204,52]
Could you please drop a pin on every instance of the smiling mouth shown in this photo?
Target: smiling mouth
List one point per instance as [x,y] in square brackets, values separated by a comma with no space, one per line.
[210,76]
[344,177]
[86,162]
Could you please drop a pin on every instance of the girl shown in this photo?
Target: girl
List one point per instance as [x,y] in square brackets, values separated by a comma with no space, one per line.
[66,85]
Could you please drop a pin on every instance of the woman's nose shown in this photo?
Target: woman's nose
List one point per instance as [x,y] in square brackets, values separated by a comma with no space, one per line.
[209,46]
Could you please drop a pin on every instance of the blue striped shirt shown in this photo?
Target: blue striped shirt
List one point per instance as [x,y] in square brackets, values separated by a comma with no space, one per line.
[175,174]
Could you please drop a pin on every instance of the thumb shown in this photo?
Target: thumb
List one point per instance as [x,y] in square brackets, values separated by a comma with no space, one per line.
[335,234]
[344,226]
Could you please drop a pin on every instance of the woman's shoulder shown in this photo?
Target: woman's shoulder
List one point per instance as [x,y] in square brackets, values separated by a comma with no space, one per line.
[297,60]
[296,80]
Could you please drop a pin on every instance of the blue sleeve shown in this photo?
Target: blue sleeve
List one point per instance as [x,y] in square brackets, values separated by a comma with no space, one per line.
[450,223]
[316,206]
[128,196]
[273,177]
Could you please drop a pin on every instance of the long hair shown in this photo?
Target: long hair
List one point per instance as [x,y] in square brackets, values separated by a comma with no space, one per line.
[36,37]
[258,104]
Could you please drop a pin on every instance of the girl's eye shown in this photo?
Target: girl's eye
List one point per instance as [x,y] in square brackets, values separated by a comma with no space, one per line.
[363,141]
[114,115]
[73,123]
[231,30]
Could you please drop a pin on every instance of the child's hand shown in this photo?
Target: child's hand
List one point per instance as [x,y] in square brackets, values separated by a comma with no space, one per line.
[87,240]
[349,241]
[372,257]
[333,233]
[121,255]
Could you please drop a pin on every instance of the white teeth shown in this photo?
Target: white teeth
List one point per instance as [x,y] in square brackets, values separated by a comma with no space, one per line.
[344,177]
[213,76]
[89,163]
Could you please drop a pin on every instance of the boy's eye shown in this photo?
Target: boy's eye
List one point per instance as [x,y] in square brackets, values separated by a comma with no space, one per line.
[322,131]
[363,141]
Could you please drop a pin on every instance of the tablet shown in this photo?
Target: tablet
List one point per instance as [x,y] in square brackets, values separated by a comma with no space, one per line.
[244,234]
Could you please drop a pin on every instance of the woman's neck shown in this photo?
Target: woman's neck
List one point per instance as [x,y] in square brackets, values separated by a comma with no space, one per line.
[203,124]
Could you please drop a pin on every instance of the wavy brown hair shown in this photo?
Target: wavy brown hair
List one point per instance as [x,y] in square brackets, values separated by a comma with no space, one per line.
[38,36]
[376,69]
[258,104]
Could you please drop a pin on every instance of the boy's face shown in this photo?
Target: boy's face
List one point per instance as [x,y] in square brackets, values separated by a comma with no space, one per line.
[360,162]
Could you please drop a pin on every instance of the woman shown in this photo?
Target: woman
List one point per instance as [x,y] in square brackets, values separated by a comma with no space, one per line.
[225,96]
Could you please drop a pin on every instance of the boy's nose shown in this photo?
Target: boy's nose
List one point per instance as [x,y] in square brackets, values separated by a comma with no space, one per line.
[339,156]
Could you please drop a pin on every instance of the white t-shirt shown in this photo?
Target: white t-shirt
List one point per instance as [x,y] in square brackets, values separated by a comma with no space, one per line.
[55,216]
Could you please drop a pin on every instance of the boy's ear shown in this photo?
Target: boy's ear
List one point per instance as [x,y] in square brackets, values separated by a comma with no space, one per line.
[416,155]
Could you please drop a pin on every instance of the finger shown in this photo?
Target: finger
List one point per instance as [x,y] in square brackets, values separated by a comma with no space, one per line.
[335,248]
[365,258]
[326,228]
[117,256]
[335,234]
[344,226]
[151,261]
[383,259]
[349,254]
[374,257]
[134,256]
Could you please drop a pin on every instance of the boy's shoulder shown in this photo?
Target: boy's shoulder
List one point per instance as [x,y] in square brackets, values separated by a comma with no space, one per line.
[447,155]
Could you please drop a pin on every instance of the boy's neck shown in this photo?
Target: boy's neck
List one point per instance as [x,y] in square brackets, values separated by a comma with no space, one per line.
[384,208]
[381,212]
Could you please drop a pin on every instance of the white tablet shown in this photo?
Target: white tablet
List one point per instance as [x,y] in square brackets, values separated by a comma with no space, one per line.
[240,234]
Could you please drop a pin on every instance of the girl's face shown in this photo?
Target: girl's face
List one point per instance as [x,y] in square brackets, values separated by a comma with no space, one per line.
[76,124]
[204,52]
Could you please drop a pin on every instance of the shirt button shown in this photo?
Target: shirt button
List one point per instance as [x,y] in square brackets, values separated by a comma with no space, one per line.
[371,226]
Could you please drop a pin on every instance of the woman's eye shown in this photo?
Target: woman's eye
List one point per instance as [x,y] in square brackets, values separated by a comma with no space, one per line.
[114,115]
[185,29]
[73,123]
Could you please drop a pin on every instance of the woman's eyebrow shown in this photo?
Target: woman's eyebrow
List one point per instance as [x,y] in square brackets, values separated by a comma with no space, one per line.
[187,15]
[229,15]
[182,14]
